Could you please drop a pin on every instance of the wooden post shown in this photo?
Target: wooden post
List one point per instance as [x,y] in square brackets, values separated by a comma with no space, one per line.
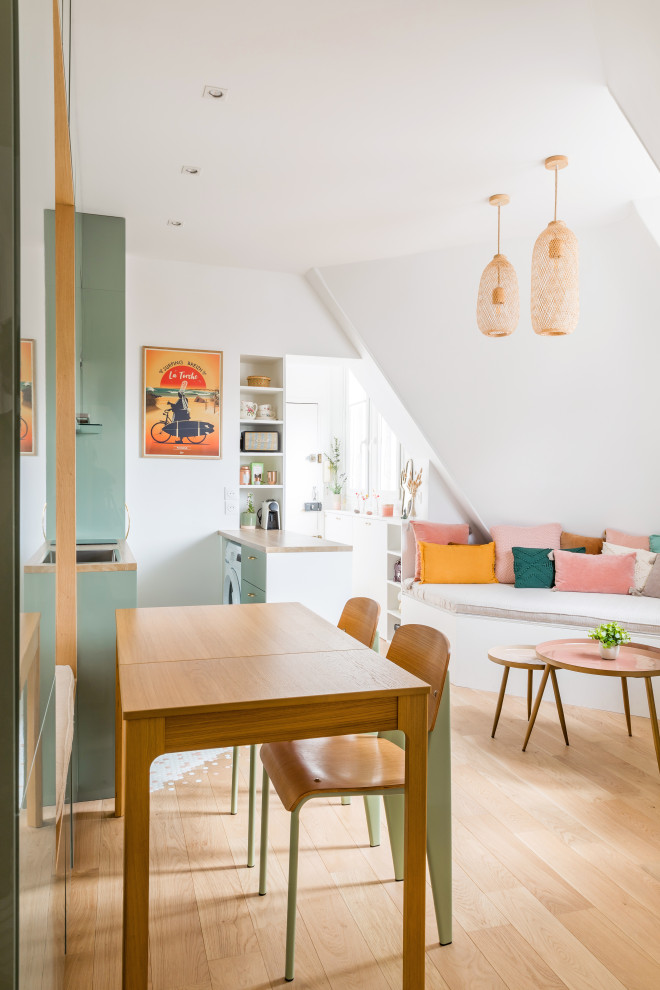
[65,369]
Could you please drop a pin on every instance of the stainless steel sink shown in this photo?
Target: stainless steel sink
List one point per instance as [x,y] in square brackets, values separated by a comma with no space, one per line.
[88,555]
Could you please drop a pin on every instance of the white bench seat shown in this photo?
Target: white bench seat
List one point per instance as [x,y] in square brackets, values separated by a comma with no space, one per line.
[560,608]
[478,617]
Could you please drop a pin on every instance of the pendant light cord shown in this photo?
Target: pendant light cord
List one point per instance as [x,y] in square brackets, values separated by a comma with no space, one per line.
[556,180]
[498,228]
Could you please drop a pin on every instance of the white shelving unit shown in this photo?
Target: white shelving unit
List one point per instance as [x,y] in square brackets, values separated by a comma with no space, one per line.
[274,395]
[393,587]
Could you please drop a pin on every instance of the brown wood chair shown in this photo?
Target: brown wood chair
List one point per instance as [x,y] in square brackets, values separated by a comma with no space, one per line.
[359,618]
[368,766]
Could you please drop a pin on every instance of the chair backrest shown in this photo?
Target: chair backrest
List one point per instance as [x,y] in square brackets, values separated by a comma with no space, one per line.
[424,652]
[360,619]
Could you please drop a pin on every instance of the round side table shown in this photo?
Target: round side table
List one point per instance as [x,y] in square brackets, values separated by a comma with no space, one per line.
[523,658]
[582,655]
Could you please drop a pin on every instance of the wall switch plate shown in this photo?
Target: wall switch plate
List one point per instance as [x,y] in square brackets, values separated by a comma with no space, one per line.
[231,494]
[231,507]
[313,506]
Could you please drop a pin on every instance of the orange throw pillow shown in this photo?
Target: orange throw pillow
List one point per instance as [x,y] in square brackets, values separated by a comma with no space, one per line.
[457,564]
[429,532]
[569,541]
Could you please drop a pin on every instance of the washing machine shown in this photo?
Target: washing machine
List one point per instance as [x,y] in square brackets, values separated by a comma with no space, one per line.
[231,594]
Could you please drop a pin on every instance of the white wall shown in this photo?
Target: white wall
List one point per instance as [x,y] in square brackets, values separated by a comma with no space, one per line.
[177,506]
[532,429]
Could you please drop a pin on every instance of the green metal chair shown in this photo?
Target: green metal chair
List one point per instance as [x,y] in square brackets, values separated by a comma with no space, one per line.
[359,618]
[370,766]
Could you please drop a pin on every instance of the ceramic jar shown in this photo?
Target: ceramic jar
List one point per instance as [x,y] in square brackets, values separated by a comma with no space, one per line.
[245,475]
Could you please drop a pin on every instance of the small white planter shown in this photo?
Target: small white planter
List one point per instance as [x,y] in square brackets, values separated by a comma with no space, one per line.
[608,652]
[335,501]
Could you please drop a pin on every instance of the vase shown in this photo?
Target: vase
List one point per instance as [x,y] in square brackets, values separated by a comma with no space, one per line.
[608,652]
[335,500]
[248,520]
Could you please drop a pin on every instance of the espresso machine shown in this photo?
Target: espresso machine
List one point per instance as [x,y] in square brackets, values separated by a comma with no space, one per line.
[268,516]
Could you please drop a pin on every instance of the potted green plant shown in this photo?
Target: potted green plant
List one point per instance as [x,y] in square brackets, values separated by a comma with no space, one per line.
[249,517]
[610,636]
[337,480]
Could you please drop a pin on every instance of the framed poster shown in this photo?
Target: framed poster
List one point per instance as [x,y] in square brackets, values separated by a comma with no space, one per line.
[182,402]
[27,419]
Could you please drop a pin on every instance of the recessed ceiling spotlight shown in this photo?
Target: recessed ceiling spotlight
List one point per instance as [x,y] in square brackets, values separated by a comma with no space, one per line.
[190,170]
[175,223]
[215,92]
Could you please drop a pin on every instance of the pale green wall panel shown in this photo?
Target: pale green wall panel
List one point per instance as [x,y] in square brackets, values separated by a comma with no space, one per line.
[100,387]
[99,594]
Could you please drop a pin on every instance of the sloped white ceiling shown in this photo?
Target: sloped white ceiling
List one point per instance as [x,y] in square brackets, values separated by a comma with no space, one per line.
[530,429]
[353,129]
[628,34]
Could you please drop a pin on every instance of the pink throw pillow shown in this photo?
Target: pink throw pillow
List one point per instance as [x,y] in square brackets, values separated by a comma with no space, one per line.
[443,533]
[604,575]
[626,540]
[506,537]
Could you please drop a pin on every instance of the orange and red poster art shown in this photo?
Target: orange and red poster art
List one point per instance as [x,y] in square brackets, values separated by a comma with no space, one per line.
[182,402]
[27,420]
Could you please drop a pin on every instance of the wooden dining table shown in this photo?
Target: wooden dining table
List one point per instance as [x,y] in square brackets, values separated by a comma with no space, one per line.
[201,677]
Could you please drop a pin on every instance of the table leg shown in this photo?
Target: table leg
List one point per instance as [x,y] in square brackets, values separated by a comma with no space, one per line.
[626,703]
[438,827]
[119,749]
[537,704]
[143,743]
[530,684]
[252,806]
[560,707]
[413,721]
[505,677]
[34,752]
[654,718]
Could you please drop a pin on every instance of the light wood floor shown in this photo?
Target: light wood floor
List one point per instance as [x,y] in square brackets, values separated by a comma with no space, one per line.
[556,874]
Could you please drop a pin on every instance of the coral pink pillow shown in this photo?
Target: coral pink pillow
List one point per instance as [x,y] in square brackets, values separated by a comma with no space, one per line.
[626,540]
[444,533]
[506,537]
[605,575]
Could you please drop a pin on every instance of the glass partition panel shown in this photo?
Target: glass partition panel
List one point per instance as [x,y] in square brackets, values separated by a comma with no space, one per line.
[40,883]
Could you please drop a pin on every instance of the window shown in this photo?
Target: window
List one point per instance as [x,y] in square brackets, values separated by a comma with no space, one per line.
[373,449]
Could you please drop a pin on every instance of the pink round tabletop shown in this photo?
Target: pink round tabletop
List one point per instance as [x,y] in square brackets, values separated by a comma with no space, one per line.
[634,659]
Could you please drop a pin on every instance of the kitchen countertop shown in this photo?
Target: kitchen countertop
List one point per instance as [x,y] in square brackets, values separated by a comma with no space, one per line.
[282,541]
[126,560]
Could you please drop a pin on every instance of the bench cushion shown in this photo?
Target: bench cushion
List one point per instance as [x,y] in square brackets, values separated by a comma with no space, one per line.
[641,615]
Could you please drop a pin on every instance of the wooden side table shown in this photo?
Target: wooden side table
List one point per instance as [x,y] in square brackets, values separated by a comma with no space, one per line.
[583,656]
[523,658]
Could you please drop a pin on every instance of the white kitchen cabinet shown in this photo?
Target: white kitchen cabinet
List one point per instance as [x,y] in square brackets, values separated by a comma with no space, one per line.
[339,527]
[376,545]
[279,566]
[369,550]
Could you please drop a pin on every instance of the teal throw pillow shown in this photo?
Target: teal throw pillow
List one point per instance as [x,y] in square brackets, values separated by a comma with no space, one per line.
[532,568]
[654,544]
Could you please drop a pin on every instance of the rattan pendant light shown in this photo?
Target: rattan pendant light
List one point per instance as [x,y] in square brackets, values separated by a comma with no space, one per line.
[498,306]
[555,273]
